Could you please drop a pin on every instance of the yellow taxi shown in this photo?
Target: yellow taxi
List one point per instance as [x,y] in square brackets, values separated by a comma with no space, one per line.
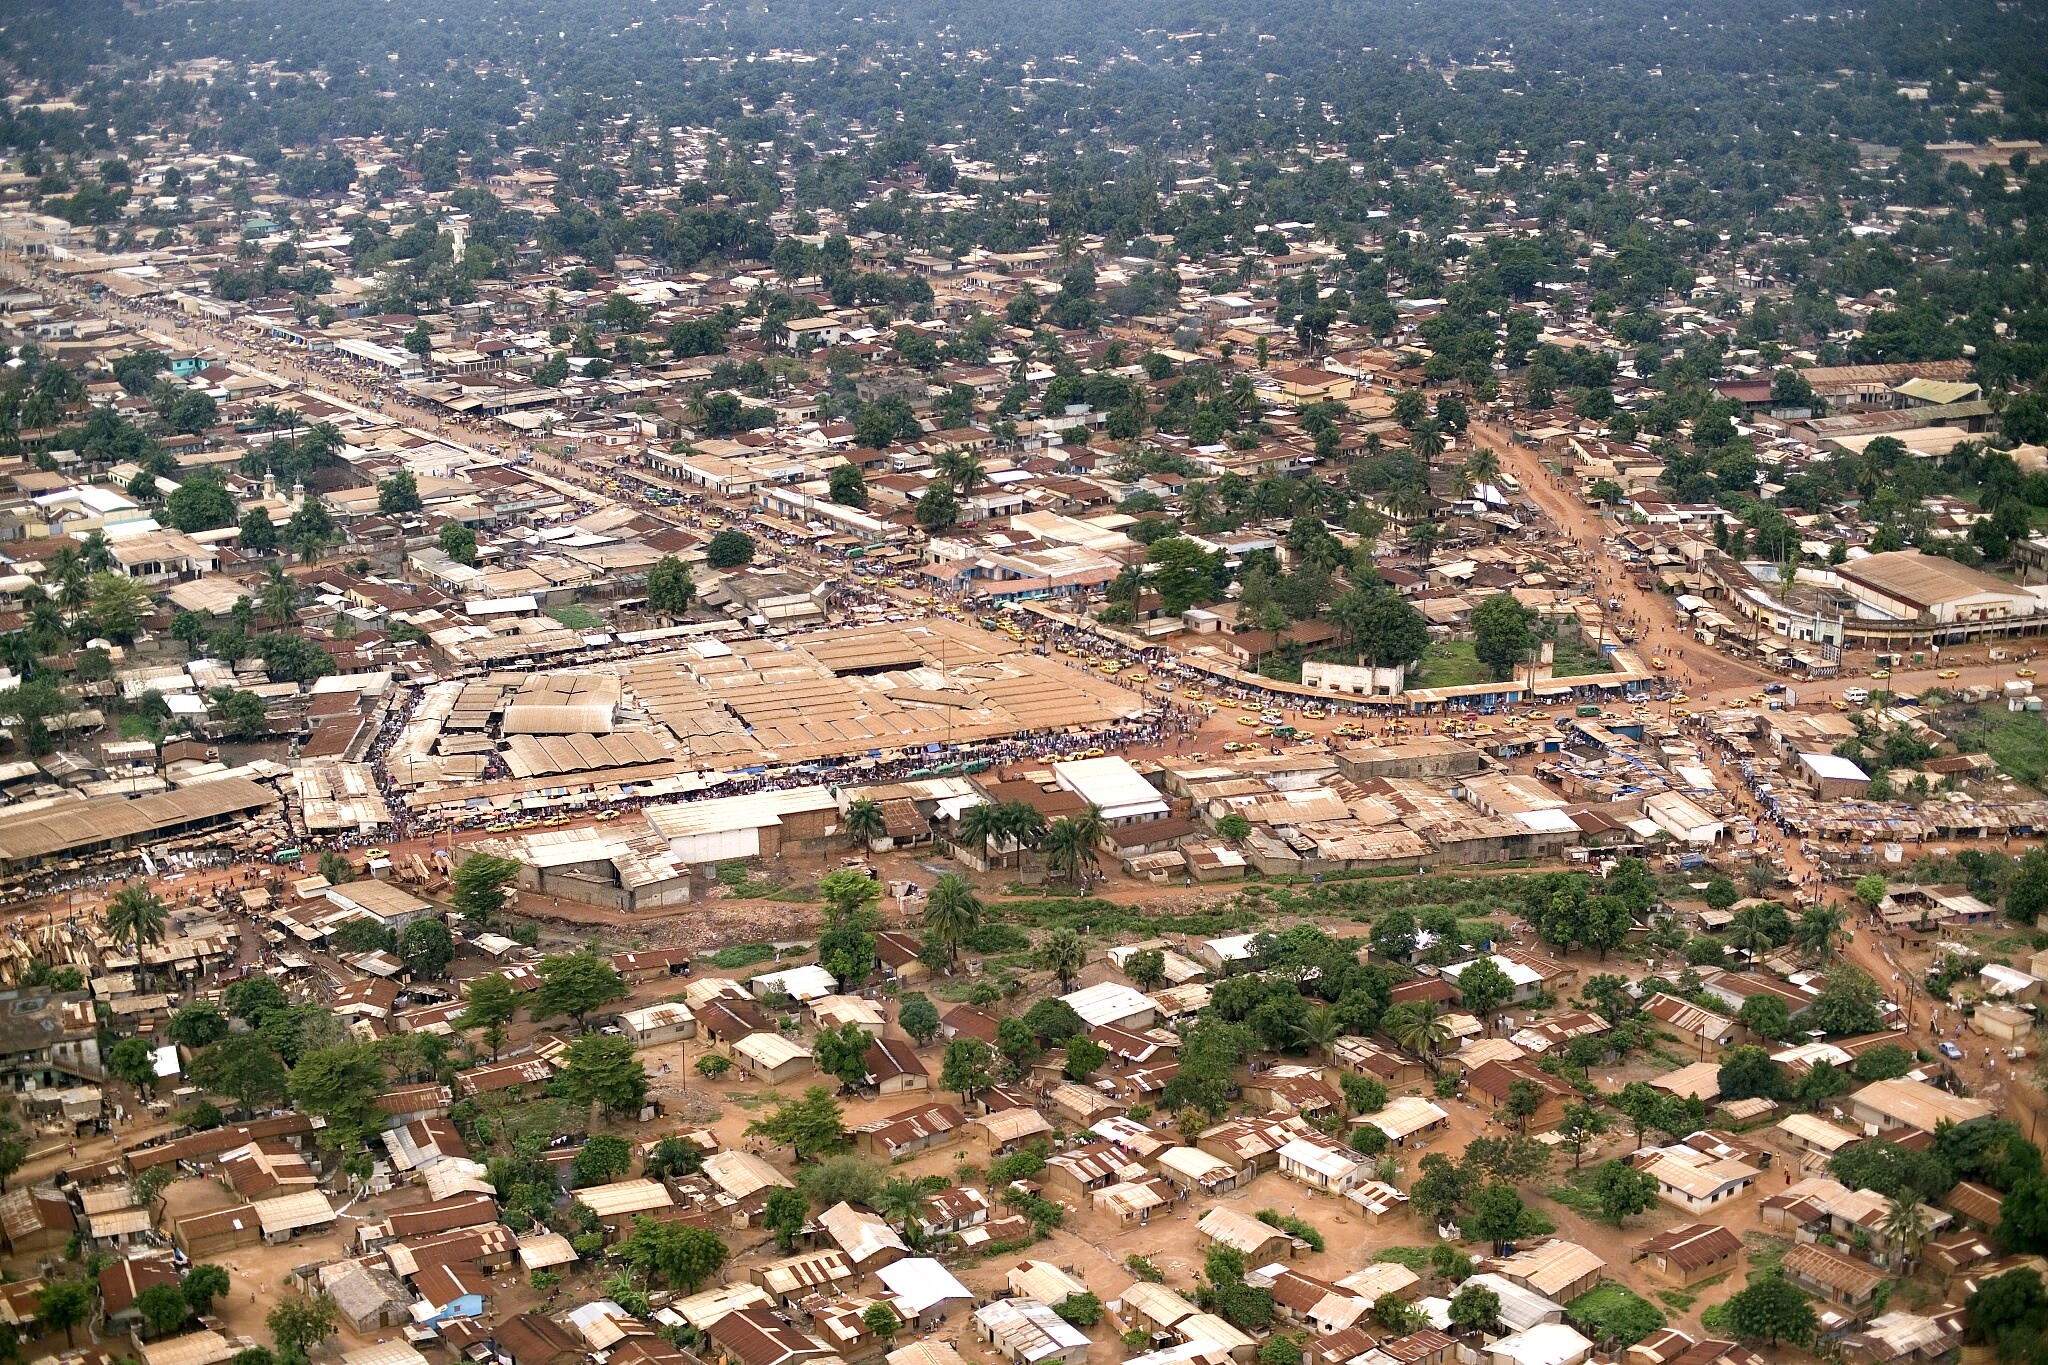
[2024,672]
[1948,673]
[1658,664]
[1233,746]
[1880,673]
[1247,720]
[1192,693]
[1312,712]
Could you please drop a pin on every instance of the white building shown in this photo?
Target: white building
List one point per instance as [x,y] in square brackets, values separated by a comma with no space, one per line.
[1112,784]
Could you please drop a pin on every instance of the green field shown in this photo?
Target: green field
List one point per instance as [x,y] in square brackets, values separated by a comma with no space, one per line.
[2016,740]
[1449,663]
[576,616]
[1572,656]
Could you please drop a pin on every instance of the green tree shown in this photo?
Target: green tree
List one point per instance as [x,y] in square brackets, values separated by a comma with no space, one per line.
[255,532]
[864,823]
[1146,969]
[729,549]
[952,911]
[118,606]
[601,1070]
[197,1025]
[602,1159]
[1870,889]
[968,1067]
[62,1306]
[1766,1017]
[576,984]
[204,1283]
[670,591]
[811,1125]
[458,542]
[1624,1190]
[243,1067]
[1847,1005]
[201,503]
[1475,1308]
[300,1322]
[1501,634]
[134,1061]
[1085,1057]
[136,917]
[842,1051]
[785,1215]
[399,494]
[427,947]
[1497,1215]
[1483,988]
[488,1005]
[1580,1127]
[163,1309]
[918,1017]
[847,486]
[341,1084]
[1769,1308]
[938,508]
[1749,1073]
[481,882]
[1062,953]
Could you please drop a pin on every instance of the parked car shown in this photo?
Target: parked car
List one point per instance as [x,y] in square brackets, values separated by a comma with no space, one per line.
[1949,1050]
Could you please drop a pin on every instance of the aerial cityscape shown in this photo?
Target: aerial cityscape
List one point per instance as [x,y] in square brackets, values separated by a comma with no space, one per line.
[913,684]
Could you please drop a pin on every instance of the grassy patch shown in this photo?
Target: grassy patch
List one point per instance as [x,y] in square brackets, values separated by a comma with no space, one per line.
[1614,1313]
[733,956]
[747,1099]
[1107,919]
[1765,1252]
[1415,1258]
[1449,663]
[740,880]
[576,616]
[1677,1299]
[1715,1319]
[2016,740]
[1577,1198]
[135,727]
[1572,656]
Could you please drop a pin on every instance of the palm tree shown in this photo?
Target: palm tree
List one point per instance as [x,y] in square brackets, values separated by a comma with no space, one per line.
[1904,1228]
[961,469]
[898,1200]
[952,911]
[1819,932]
[1063,954]
[1408,500]
[135,917]
[982,825]
[1320,1031]
[95,554]
[1415,1026]
[1069,852]
[267,416]
[1749,934]
[280,596]
[1023,825]
[1483,464]
[864,822]
[1427,440]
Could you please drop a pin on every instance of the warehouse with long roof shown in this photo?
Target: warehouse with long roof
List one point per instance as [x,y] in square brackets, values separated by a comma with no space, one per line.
[34,832]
